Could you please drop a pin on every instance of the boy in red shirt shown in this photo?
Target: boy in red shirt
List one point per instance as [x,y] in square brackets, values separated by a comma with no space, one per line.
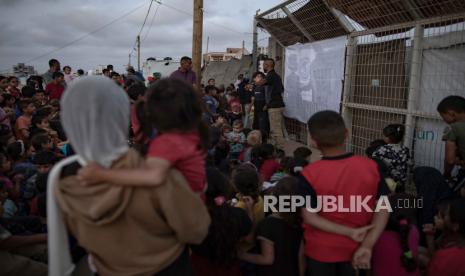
[23,123]
[330,236]
[56,88]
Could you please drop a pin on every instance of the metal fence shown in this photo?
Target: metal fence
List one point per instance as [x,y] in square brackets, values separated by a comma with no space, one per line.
[402,58]
[398,74]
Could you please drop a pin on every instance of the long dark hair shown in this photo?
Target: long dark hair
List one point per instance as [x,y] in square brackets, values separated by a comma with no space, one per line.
[394,132]
[402,221]
[226,227]
[288,186]
[246,180]
[173,105]
[261,153]
[457,216]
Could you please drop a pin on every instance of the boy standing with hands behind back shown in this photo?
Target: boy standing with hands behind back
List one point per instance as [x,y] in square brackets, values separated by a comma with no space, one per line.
[335,241]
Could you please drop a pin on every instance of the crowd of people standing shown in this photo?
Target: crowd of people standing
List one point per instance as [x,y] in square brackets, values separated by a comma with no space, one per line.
[106,175]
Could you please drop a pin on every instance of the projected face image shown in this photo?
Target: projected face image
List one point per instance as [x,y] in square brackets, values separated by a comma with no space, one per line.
[305,70]
[292,63]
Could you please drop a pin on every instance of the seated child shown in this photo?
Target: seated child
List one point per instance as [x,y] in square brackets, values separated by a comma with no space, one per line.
[383,168]
[234,107]
[8,208]
[246,181]
[396,252]
[254,138]
[279,238]
[41,142]
[448,260]
[13,89]
[24,122]
[302,157]
[41,187]
[394,155]
[236,139]
[217,254]
[264,159]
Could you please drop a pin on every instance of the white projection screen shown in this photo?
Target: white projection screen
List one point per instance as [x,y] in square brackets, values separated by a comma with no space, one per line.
[313,77]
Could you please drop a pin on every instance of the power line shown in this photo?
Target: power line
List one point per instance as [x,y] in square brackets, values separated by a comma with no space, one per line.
[146,16]
[83,36]
[142,27]
[86,35]
[190,14]
[151,23]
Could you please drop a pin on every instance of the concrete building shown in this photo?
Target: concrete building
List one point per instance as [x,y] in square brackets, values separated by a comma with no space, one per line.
[263,50]
[23,70]
[229,54]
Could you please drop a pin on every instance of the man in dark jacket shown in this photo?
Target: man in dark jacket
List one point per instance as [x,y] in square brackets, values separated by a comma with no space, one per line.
[275,103]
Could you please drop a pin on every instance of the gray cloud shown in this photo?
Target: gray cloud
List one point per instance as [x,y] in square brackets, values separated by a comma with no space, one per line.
[30,28]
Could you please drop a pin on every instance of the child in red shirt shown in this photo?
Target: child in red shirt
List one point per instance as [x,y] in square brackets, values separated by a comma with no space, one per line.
[264,159]
[396,252]
[338,240]
[175,111]
[55,89]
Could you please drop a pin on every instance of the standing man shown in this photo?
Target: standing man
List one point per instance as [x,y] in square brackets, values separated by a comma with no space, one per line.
[135,75]
[185,72]
[54,66]
[245,97]
[275,103]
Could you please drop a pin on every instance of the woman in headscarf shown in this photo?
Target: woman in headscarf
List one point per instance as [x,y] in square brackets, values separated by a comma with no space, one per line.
[125,230]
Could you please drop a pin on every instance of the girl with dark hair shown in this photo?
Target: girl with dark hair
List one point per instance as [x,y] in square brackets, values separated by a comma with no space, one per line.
[279,238]
[449,259]
[246,180]
[396,252]
[175,111]
[263,157]
[144,131]
[217,253]
[394,154]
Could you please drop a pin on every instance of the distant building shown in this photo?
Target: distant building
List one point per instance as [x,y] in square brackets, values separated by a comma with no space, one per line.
[262,50]
[99,69]
[23,70]
[225,56]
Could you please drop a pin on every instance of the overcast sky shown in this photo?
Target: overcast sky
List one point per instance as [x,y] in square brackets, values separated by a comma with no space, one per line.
[30,28]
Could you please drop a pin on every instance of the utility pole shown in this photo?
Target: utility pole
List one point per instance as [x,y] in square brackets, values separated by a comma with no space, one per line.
[138,53]
[255,43]
[206,52]
[197,39]
[129,61]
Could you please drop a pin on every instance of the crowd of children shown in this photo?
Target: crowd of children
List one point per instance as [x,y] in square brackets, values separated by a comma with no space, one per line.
[219,143]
